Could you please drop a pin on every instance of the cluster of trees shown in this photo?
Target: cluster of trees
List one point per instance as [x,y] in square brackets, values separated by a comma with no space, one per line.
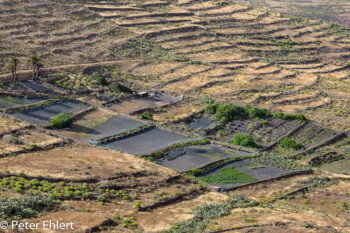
[229,112]
[34,62]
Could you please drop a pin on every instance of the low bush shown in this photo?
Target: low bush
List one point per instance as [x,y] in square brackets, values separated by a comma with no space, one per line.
[25,207]
[11,139]
[62,120]
[299,117]
[146,116]
[230,112]
[240,201]
[212,211]
[290,144]
[253,112]
[189,226]
[316,182]
[243,139]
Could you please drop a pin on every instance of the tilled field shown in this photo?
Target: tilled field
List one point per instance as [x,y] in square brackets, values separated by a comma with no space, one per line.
[44,114]
[104,126]
[11,102]
[191,157]
[146,142]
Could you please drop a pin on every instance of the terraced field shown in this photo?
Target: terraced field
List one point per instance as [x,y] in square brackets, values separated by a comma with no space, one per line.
[247,55]
[151,96]
[332,11]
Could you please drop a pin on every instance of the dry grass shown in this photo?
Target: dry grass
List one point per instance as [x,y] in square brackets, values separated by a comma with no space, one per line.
[77,161]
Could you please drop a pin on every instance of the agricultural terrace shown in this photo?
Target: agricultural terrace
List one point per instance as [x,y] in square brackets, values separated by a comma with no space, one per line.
[141,108]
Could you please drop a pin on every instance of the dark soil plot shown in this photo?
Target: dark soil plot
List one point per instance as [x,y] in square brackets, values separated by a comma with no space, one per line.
[44,114]
[274,129]
[146,142]
[235,127]
[202,122]
[115,125]
[36,86]
[11,102]
[187,158]
[15,87]
[312,134]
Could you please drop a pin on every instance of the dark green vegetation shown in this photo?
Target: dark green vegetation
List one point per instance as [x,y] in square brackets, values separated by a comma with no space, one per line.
[146,116]
[290,144]
[228,112]
[291,117]
[243,139]
[62,120]
[228,175]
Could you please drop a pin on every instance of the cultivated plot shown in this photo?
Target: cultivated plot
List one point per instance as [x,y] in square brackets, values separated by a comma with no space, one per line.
[190,157]
[248,170]
[44,114]
[145,142]
[11,101]
[202,122]
[107,125]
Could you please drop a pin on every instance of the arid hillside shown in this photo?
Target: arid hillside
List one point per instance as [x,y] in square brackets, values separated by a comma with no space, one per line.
[173,116]
[335,11]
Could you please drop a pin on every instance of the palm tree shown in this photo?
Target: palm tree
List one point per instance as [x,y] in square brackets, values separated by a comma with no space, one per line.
[34,60]
[13,67]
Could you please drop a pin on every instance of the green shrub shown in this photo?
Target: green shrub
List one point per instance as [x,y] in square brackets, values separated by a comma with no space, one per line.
[146,116]
[229,112]
[101,199]
[264,122]
[212,211]
[299,117]
[253,112]
[62,120]
[189,226]
[250,220]
[137,204]
[25,207]
[238,201]
[243,139]
[290,144]
[126,220]
[211,108]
